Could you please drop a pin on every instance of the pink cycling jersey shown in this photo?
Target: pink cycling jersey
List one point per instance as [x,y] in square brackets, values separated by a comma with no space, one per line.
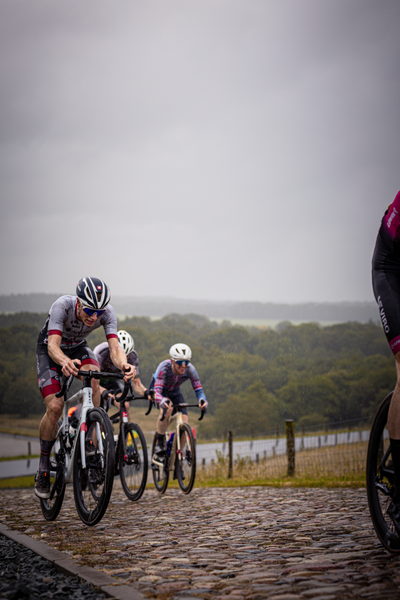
[390,227]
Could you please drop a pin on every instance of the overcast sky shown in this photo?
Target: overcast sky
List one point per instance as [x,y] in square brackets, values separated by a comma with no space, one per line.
[212,149]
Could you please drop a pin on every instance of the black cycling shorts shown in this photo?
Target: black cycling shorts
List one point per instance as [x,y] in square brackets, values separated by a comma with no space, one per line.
[386,286]
[176,398]
[49,373]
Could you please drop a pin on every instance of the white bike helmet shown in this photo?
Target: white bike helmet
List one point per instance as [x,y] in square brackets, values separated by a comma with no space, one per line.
[180,352]
[93,293]
[125,341]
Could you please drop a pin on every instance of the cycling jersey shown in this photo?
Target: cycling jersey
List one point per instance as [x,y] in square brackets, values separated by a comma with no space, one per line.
[63,320]
[102,353]
[166,383]
[386,273]
[390,227]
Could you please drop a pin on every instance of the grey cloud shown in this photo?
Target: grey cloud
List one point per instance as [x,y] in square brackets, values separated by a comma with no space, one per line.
[258,135]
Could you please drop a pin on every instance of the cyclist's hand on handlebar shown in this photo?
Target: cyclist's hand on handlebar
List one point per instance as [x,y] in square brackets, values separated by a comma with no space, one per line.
[70,367]
[203,403]
[129,371]
[165,403]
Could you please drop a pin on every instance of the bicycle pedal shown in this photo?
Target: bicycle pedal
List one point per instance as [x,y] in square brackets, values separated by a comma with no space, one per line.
[382,487]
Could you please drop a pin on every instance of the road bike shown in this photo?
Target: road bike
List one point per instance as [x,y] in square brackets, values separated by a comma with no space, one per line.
[380,479]
[83,454]
[131,460]
[180,454]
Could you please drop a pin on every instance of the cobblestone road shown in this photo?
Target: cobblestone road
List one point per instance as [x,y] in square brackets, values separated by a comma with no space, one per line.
[278,543]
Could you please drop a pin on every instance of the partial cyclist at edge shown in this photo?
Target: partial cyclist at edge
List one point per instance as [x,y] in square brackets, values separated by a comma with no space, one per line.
[110,388]
[61,345]
[386,285]
[166,382]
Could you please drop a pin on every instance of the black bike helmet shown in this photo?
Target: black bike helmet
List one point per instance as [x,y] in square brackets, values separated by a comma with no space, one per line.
[93,293]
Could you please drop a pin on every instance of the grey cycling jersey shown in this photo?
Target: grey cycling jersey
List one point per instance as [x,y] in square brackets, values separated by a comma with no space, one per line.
[63,320]
[102,353]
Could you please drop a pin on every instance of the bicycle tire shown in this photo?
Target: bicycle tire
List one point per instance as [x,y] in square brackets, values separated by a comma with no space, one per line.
[51,506]
[133,466]
[92,497]
[186,464]
[380,479]
[160,474]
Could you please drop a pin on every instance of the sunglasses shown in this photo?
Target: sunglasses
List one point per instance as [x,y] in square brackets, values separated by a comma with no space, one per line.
[90,312]
[182,363]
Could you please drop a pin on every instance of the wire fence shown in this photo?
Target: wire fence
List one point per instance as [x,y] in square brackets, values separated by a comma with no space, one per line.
[337,450]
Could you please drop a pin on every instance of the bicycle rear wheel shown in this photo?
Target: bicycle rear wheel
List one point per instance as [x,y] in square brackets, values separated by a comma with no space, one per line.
[52,506]
[380,479]
[186,464]
[133,465]
[159,469]
[93,485]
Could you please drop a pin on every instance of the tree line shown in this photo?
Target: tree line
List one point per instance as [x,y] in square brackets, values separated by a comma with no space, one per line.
[254,378]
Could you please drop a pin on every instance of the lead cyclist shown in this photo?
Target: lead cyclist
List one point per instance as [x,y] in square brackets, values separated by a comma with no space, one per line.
[61,346]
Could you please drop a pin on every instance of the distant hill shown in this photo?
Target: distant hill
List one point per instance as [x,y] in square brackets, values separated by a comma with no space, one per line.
[159,307]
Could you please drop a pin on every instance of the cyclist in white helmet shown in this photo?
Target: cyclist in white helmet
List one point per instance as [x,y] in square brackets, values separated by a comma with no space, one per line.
[166,382]
[61,346]
[109,388]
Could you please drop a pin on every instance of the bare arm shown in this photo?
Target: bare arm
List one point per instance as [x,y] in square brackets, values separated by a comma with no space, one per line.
[119,359]
[138,386]
[56,354]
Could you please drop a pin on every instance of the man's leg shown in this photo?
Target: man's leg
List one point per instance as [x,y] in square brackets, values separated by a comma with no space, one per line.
[47,434]
[162,427]
[394,409]
[394,434]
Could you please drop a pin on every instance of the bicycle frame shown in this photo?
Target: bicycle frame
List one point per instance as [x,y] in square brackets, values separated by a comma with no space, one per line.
[84,395]
[122,417]
[177,420]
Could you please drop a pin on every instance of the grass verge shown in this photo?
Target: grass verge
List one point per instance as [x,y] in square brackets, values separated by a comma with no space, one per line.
[17,482]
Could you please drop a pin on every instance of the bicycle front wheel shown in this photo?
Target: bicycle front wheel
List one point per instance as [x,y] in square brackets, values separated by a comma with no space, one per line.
[159,467]
[52,506]
[133,465]
[93,485]
[380,479]
[186,462]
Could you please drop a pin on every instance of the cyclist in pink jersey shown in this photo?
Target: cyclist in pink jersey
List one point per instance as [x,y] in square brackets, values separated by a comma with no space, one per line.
[166,382]
[61,346]
[386,285]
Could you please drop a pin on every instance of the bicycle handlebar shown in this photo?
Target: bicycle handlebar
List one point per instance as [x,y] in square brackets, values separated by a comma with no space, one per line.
[91,375]
[132,398]
[203,410]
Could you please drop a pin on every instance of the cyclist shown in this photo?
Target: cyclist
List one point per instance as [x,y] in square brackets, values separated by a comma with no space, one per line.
[167,379]
[61,346]
[386,285]
[109,388]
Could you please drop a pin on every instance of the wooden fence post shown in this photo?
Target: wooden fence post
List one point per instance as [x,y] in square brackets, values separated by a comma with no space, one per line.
[289,426]
[230,447]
